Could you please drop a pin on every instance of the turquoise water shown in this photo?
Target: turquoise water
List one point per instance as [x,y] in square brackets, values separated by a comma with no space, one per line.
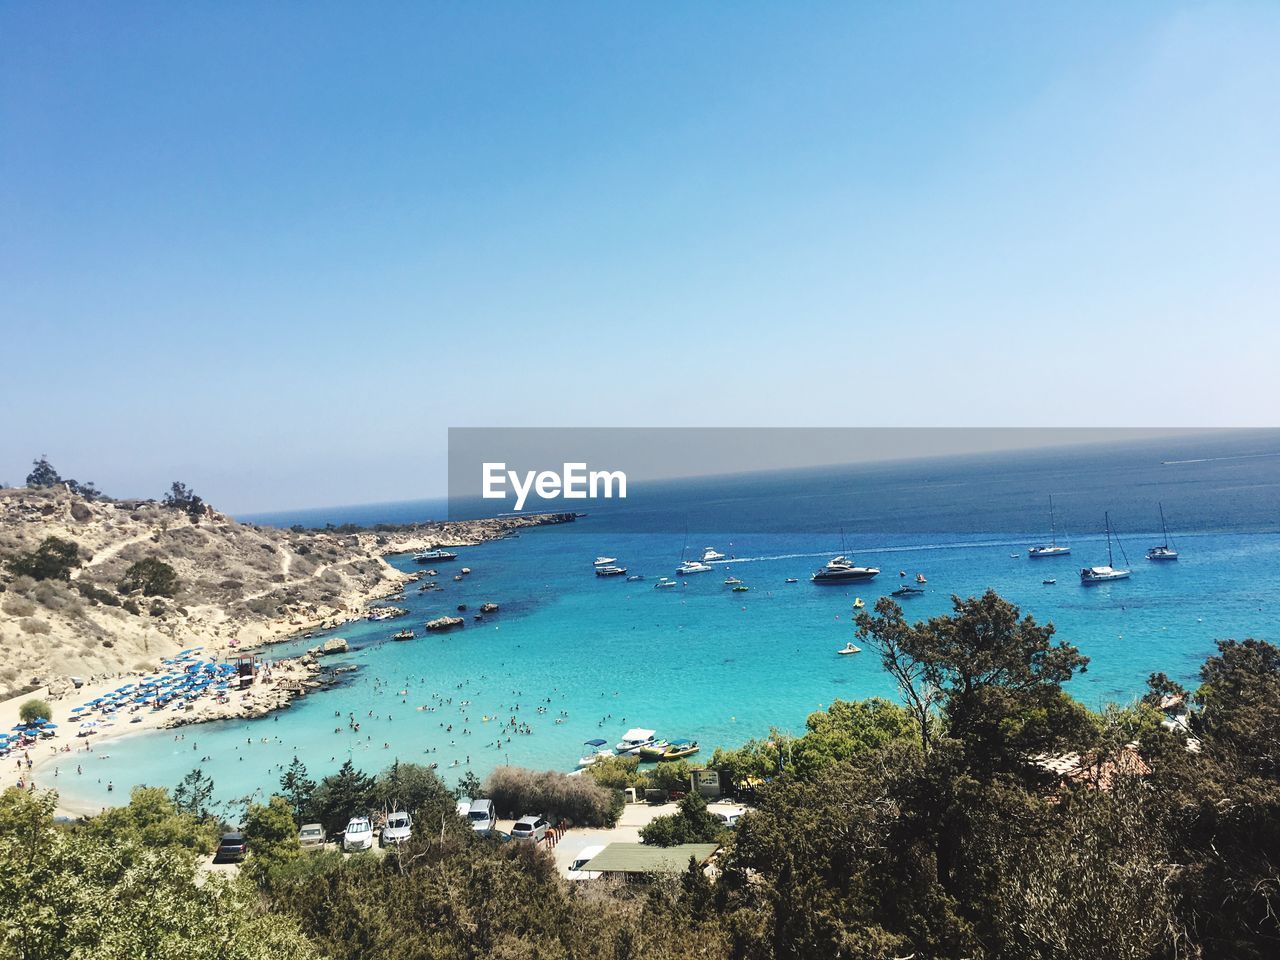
[698,661]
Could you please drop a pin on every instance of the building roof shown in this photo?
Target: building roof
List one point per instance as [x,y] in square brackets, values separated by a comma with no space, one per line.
[641,858]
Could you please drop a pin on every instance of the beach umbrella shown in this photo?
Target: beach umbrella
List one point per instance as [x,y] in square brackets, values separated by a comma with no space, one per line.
[76,709]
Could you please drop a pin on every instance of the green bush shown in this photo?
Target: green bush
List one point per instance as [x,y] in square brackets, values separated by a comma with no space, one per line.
[151,576]
[515,791]
[54,559]
[35,709]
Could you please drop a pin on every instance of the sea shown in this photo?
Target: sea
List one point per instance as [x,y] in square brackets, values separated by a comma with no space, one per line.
[574,657]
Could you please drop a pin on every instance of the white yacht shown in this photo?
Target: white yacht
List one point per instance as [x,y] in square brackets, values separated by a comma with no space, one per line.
[1052,548]
[664,582]
[1090,575]
[1165,551]
[634,739]
[711,555]
[605,561]
[693,566]
[842,570]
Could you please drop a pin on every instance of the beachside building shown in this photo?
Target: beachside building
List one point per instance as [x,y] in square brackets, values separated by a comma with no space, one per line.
[636,860]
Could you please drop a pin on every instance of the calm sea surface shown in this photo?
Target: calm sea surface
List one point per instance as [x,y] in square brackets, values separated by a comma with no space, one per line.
[601,655]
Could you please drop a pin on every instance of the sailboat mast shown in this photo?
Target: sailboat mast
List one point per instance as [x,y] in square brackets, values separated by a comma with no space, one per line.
[1110,561]
[1163,528]
[1053,527]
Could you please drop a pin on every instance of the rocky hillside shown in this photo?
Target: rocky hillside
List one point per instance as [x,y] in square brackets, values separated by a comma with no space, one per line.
[234,581]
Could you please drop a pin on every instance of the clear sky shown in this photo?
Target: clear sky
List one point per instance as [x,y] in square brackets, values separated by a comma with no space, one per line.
[275,250]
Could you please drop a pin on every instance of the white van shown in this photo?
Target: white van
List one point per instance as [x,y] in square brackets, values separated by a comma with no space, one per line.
[482,816]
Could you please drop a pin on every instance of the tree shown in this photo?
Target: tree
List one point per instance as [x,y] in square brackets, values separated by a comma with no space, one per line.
[152,576]
[181,497]
[54,559]
[191,796]
[412,787]
[152,819]
[692,824]
[34,710]
[42,473]
[845,730]
[272,834]
[469,786]
[341,796]
[298,789]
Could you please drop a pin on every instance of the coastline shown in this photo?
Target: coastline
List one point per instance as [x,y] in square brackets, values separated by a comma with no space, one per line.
[289,679]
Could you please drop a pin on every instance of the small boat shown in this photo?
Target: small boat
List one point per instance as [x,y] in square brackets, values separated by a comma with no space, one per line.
[605,561]
[634,577]
[427,556]
[731,581]
[457,576]
[680,748]
[653,751]
[1052,548]
[1050,582]
[609,570]
[693,566]
[664,582]
[849,648]
[741,588]
[920,578]
[403,635]
[711,555]
[598,750]
[634,739]
[1164,551]
[791,580]
[1014,556]
[858,603]
[1090,575]
[902,573]
[907,590]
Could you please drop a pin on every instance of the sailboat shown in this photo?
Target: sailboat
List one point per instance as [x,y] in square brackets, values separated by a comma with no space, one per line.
[1052,548]
[1164,551]
[1090,575]
[690,566]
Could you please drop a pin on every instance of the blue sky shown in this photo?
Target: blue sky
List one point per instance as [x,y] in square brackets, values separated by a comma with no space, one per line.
[276,250]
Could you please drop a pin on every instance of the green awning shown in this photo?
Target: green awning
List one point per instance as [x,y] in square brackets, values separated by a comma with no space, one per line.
[641,858]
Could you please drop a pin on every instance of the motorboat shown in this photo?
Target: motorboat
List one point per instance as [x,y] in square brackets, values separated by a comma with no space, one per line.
[731,581]
[711,555]
[597,750]
[634,577]
[429,556]
[664,582]
[1090,575]
[1052,548]
[858,603]
[605,561]
[1164,551]
[741,588]
[920,578]
[609,570]
[849,648]
[680,748]
[1049,582]
[907,590]
[791,580]
[693,566]
[634,739]
[653,751]
[842,570]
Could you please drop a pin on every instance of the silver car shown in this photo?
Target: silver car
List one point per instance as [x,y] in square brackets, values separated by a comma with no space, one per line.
[311,837]
[398,829]
[530,827]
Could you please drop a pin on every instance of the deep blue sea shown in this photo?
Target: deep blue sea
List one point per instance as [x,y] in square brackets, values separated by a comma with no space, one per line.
[601,655]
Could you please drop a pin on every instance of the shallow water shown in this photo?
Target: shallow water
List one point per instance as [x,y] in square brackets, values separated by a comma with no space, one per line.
[698,661]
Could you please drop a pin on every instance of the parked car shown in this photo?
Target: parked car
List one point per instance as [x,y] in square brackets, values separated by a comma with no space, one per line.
[530,827]
[730,817]
[398,829]
[585,856]
[231,848]
[311,837]
[358,835]
[483,817]
[463,807]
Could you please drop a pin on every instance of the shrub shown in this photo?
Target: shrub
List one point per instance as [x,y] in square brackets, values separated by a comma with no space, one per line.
[35,709]
[18,606]
[54,559]
[32,625]
[515,791]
